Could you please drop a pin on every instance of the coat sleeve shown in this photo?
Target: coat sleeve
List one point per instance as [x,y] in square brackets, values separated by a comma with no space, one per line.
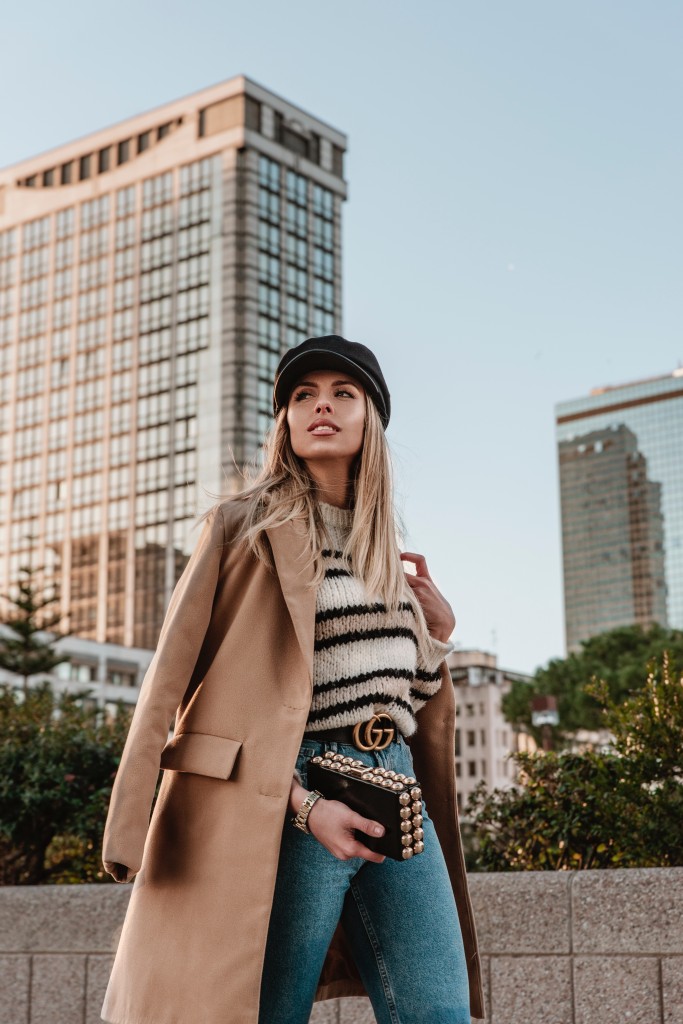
[182,634]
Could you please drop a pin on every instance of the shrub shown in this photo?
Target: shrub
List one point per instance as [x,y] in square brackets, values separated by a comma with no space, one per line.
[58,759]
[622,807]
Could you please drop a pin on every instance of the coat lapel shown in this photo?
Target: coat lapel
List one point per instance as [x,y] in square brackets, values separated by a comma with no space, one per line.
[291,555]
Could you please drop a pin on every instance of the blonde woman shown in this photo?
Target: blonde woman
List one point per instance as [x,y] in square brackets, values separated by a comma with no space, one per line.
[293,624]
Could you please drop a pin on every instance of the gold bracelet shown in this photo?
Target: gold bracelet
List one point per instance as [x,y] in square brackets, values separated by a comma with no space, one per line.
[300,820]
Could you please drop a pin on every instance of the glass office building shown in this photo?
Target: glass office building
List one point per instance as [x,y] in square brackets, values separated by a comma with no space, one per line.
[151,274]
[621,491]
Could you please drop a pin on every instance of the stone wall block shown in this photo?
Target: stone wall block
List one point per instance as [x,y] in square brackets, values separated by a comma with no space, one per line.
[616,990]
[58,989]
[522,912]
[62,918]
[531,989]
[486,980]
[97,976]
[356,1010]
[672,989]
[326,1012]
[628,911]
[15,975]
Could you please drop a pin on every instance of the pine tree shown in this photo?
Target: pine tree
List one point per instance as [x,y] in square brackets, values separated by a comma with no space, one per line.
[28,652]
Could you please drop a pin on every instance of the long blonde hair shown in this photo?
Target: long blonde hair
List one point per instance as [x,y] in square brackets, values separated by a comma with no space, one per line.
[282,488]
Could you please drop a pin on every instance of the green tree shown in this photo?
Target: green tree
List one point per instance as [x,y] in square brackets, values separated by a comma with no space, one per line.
[617,808]
[28,652]
[58,759]
[618,658]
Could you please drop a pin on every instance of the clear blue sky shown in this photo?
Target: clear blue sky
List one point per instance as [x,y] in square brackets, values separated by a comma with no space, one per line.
[513,234]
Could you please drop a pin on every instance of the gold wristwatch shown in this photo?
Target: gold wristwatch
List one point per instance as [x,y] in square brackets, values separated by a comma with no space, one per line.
[300,820]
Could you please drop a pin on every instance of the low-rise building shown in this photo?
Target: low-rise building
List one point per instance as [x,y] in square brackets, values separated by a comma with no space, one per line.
[111,672]
[484,740]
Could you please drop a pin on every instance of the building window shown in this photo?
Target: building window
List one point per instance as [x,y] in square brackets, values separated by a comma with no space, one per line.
[458,769]
[72,671]
[323,263]
[103,160]
[269,174]
[66,173]
[323,202]
[314,148]
[84,168]
[120,677]
[144,140]
[297,188]
[338,161]
[49,177]
[163,130]
[472,769]
[252,113]
[123,151]
[471,738]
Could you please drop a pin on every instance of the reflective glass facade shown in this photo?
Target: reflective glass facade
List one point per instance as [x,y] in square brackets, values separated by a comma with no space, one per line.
[296,269]
[142,316]
[621,490]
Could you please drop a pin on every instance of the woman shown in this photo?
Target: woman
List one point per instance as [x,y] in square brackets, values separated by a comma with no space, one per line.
[292,623]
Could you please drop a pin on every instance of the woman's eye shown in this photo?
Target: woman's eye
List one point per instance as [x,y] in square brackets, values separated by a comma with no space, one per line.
[306,393]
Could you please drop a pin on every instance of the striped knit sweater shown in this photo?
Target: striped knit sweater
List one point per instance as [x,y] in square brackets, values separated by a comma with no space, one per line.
[365,659]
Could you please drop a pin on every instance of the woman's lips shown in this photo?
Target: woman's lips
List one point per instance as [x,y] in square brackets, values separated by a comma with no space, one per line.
[320,431]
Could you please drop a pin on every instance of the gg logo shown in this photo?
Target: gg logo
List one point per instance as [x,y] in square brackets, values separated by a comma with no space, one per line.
[374,732]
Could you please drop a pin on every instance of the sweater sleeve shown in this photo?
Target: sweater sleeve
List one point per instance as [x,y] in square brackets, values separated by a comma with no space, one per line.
[430,654]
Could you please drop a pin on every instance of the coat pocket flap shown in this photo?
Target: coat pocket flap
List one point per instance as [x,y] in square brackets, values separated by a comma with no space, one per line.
[202,754]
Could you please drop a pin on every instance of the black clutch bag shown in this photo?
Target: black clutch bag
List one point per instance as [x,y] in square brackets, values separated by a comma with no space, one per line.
[393,799]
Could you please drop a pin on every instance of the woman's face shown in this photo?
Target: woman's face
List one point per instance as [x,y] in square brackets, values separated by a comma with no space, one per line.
[326,417]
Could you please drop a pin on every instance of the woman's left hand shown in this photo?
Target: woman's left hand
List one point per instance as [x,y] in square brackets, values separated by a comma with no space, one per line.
[437,611]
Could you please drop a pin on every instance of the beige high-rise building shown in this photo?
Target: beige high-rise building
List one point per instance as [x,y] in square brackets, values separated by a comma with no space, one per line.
[151,274]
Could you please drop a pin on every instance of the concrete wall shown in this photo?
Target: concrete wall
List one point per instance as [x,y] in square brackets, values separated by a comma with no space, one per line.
[594,947]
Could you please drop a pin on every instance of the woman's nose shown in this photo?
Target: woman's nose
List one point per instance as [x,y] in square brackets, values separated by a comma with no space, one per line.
[323,405]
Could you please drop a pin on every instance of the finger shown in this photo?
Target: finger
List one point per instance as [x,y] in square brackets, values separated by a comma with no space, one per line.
[362,851]
[419,561]
[371,828]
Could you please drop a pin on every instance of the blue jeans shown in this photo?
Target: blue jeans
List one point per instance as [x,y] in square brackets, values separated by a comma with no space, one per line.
[399,916]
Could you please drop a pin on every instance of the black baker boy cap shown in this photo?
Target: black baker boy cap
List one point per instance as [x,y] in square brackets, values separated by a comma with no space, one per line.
[332,352]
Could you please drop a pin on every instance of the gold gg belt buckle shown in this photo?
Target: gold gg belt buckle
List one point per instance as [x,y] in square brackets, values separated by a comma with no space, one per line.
[376,735]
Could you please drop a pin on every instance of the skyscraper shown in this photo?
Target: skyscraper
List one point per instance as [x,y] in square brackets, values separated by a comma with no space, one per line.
[621,492]
[151,274]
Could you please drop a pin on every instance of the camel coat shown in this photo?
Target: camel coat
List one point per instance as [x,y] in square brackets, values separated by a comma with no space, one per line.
[234,664]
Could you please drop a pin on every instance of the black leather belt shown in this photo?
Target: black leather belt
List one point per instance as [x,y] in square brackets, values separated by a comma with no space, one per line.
[375,734]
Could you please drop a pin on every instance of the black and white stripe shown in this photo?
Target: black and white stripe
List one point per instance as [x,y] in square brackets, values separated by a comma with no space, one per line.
[366,659]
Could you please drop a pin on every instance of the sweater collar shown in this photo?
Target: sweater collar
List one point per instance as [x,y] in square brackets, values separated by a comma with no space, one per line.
[336,517]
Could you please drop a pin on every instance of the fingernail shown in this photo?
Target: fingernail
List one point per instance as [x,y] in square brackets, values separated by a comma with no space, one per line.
[379,830]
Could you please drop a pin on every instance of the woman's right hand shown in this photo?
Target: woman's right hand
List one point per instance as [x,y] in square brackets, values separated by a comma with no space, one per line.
[333,824]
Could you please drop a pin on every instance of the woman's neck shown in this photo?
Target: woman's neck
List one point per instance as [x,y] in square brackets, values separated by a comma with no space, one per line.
[332,487]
